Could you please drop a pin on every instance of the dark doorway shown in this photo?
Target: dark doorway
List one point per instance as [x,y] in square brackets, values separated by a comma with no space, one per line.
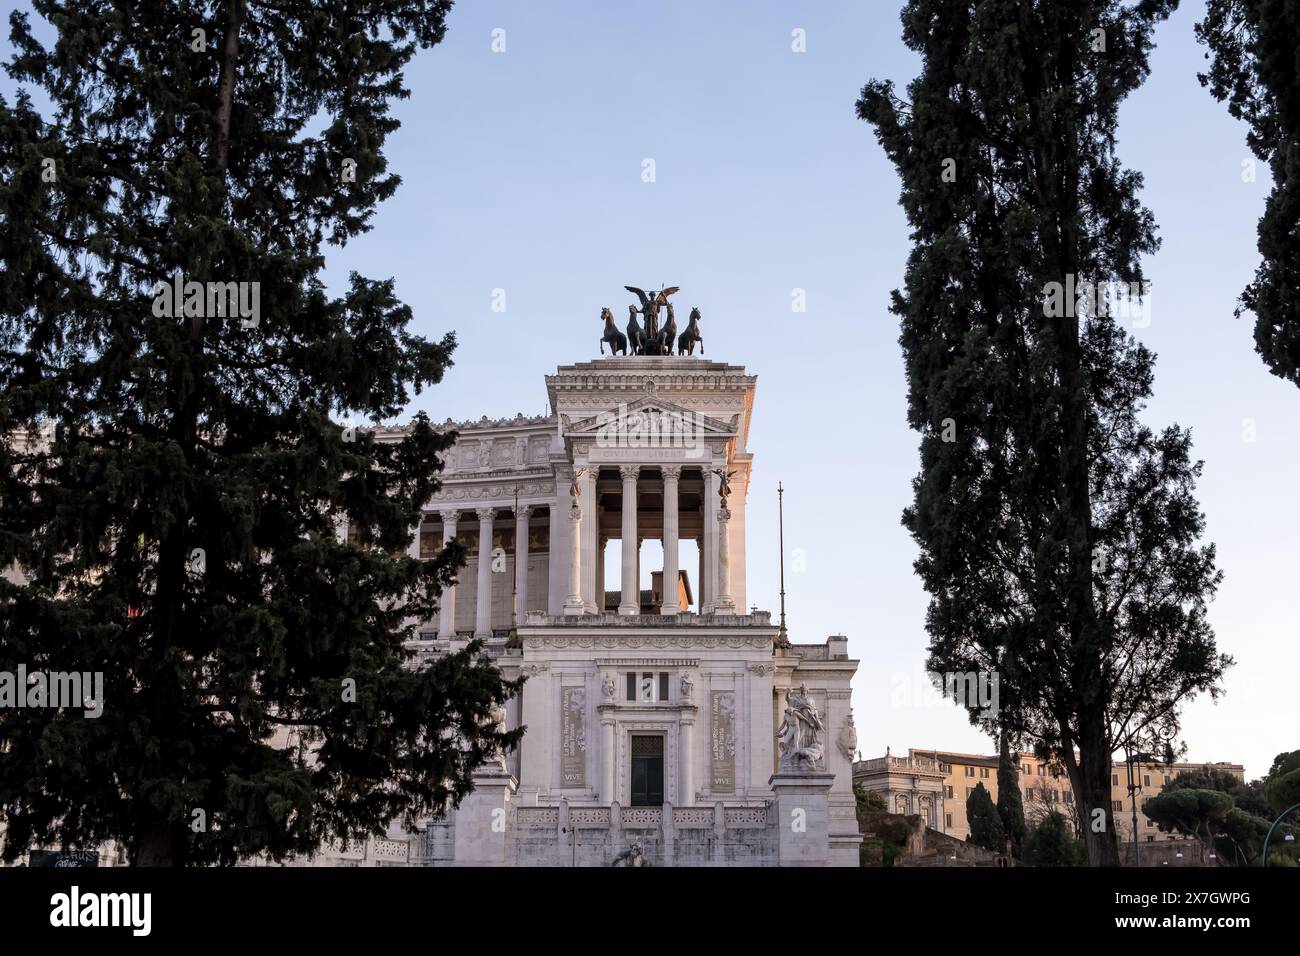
[647,770]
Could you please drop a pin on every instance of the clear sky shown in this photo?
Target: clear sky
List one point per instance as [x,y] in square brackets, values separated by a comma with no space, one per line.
[523,171]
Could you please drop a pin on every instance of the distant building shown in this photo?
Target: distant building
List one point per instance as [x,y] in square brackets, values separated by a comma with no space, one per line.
[934,784]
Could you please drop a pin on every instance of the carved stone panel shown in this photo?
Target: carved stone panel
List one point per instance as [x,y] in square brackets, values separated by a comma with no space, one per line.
[573,737]
[722,742]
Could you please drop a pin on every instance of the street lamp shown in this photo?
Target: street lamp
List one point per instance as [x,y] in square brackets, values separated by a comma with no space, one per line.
[1129,758]
[1290,837]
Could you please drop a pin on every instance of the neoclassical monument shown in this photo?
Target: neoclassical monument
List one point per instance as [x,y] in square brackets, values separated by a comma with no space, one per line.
[666,725]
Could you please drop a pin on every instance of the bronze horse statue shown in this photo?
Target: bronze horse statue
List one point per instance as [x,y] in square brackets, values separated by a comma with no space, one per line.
[615,338]
[651,303]
[635,336]
[686,344]
[667,336]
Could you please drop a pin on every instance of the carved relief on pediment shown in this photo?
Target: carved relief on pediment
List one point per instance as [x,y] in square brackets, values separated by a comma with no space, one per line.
[470,454]
[503,454]
[539,449]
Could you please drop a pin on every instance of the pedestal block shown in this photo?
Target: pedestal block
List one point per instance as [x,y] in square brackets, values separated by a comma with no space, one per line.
[483,820]
[802,817]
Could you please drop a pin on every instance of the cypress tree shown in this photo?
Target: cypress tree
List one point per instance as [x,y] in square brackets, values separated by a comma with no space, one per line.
[174,474]
[1252,47]
[982,818]
[1058,534]
[1011,808]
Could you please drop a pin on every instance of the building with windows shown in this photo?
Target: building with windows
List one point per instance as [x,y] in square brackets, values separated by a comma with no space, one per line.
[652,713]
[653,707]
[936,784]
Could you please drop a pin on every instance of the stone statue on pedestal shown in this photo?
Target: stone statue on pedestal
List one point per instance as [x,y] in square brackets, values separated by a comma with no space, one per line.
[724,484]
[800,734]
[848,741]
[632,856]
[574,490]
[498,759]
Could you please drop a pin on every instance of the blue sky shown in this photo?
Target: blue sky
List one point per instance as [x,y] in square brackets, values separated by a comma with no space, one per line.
[522,171]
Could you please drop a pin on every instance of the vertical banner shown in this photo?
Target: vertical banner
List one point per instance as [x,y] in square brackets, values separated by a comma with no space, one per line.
[722,765]
[573,736]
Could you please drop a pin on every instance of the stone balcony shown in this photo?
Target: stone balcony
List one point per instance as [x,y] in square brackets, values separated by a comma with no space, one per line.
[684,619]
[579,835]
[925,765]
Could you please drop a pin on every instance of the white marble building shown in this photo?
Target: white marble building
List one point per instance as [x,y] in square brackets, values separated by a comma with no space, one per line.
[651,719]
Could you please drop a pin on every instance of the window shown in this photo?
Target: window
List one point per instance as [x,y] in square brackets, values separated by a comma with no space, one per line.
[947,820]
[1040,769]
[1069,796]
[984,772]
[1151,839]
[647,688]
[1026,769]
[1150,823]
[970,771]
[947,792]
[969,791]
[1166,776]
[1146,780]
[1114,780]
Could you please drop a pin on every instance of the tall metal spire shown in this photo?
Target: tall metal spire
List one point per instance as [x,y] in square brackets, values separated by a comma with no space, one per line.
[782,638]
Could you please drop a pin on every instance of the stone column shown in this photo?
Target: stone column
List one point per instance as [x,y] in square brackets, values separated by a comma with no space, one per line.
[687,796]
[699,577]
[447,606]
[592,589]
[671,476]
[573,603]
[607,794]
[483,608]
[414,549]
[722,603]
[709,507]
[521,562]
[630,600]
[602,541]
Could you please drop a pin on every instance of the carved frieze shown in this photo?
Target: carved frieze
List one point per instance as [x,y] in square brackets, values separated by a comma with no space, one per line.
[737,643]
[500,492]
